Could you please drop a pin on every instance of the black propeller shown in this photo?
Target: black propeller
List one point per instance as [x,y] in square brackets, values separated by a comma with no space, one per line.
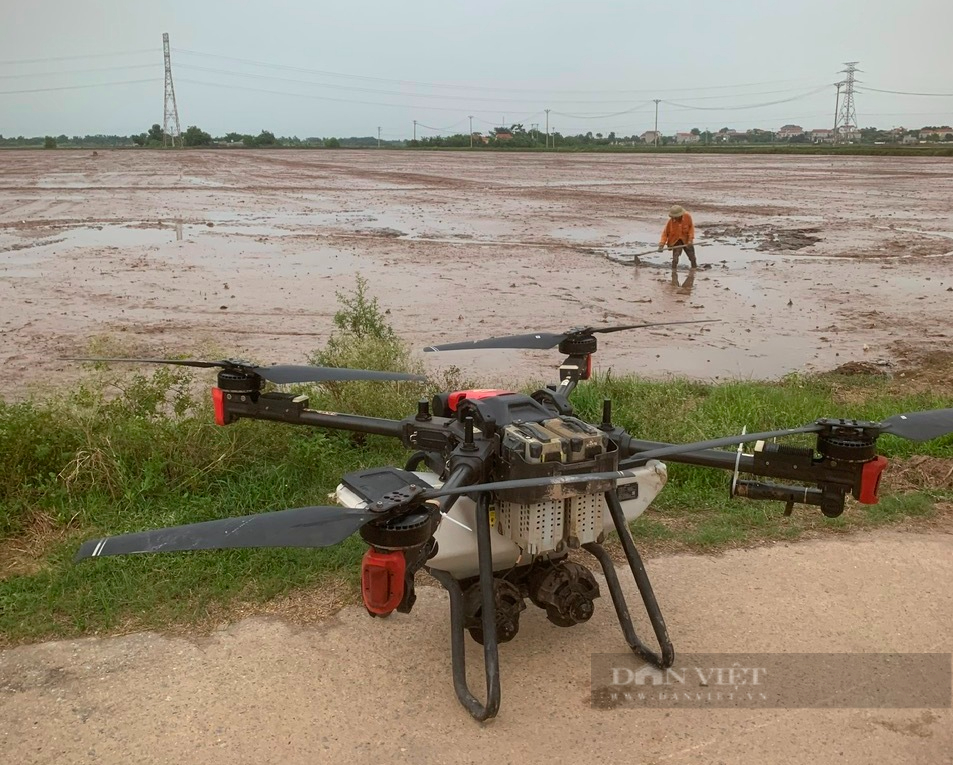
[278,373]
[919,426]
[545,340]
[299,527]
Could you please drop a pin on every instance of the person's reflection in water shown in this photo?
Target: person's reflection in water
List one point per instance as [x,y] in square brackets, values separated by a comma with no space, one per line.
[685,287]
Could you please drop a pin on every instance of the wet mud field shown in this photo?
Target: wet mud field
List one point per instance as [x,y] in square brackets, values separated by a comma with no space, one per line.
[808,263]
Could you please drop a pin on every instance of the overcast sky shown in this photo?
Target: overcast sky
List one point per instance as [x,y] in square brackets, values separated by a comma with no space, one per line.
[340,69]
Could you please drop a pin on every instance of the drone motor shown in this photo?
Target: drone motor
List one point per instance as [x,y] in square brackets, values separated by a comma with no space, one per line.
[566,590]
[509,604]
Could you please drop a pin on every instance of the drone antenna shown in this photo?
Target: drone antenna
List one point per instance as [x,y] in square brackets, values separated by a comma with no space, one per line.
[454,520]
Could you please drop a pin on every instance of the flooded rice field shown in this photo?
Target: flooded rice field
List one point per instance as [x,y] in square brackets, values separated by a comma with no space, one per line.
[807,262]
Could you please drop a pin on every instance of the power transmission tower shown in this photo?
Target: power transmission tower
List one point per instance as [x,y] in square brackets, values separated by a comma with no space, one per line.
[847,118]
[471,130]
[170,116]
[547,127]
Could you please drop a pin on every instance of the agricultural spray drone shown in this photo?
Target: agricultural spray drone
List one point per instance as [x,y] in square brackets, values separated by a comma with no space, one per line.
[501,486]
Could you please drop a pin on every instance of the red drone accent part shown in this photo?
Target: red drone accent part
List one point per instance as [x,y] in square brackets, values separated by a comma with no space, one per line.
[870,480]
[218,403]
[456,397]
[588,367]
[382,581]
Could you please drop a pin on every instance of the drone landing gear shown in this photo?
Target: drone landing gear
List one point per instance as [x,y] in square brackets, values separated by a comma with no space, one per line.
[489,596]
[667,655]
[458,624]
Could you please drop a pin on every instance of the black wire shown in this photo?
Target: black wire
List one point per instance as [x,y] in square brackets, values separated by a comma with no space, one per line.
[154,51]
[456,109]
[440,96]
[79,87]
[463,87]
[747,106]
[80,71]
[904,93]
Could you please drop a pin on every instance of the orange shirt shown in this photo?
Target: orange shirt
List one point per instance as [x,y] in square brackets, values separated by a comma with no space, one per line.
[675,229]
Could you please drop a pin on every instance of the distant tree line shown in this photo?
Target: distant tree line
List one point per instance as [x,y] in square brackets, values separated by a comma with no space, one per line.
[195,136]
[515,136]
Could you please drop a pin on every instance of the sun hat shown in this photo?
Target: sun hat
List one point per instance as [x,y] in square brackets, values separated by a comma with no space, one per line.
[676,211]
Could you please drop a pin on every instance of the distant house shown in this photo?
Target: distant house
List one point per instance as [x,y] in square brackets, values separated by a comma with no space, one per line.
[940,132]
[503,135]
[822,135]
[789,131]
[730,136]
[687,138]
[651,136]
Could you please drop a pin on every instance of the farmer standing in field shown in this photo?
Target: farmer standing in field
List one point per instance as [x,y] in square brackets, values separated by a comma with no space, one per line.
[679,234]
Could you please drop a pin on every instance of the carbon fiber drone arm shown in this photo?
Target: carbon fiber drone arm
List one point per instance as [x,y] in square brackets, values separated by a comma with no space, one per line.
[822,479]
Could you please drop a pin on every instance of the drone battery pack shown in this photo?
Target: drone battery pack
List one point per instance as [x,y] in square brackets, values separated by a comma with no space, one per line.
[584,441]
[534,443]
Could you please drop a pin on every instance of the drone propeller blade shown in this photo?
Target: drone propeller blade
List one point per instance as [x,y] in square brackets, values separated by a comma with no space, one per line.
[293,373]
[298,527]
[280,374]
[177,362]
[546,340]
[920,426]
[533,341]
[605,330]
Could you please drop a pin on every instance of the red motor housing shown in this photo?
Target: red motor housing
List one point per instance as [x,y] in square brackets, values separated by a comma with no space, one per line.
[870,480]
[382,580]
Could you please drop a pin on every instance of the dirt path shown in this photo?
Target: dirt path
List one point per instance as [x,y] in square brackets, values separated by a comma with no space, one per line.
[360,691]
[811,261]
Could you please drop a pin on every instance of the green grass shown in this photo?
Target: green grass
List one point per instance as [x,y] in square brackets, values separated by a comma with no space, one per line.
[119,454]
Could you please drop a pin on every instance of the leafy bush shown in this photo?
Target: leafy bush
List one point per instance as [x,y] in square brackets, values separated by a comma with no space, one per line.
[364,339]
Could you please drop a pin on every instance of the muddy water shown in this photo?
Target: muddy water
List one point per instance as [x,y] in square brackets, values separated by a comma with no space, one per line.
[461,247]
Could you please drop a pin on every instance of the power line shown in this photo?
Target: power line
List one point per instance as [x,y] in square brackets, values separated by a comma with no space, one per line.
[359,89]
[421,107]
[905,93]
[74,58]
[79,87]
[591,116]
[440,129]
[746,106]
[77,71]
[327,73]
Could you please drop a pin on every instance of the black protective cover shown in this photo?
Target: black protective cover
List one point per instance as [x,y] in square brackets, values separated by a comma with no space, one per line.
[374,483]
